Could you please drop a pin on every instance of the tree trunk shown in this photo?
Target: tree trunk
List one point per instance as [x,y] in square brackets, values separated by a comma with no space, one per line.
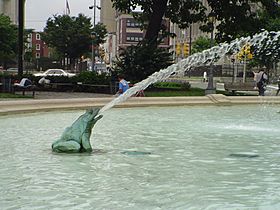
[155,20]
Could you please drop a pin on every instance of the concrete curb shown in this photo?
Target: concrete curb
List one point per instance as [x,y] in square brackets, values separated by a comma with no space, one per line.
[27,106]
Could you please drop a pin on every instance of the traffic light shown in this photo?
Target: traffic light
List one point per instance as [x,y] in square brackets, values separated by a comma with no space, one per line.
[102,52]
[186,49]
[178,48]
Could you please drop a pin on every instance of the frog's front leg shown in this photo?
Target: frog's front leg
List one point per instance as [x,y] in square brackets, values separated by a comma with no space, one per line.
[66,146]
[86,147]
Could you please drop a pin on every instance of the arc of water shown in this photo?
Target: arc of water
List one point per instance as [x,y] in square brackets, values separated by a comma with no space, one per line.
[205,57]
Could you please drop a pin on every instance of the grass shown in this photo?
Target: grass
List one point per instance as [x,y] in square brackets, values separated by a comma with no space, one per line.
[170,93]
[10,95]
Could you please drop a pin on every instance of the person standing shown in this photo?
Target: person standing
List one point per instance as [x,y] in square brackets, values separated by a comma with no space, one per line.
[261,79]
[123,85]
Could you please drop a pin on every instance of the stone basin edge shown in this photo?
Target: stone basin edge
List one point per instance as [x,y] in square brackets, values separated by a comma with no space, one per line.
[41,105]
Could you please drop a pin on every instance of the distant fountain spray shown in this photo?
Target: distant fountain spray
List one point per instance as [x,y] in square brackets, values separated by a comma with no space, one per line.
[206,57]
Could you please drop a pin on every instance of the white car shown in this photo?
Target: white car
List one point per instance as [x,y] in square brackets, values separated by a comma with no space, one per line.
[55,72]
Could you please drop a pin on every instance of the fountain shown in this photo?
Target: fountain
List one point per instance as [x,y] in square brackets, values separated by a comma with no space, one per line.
[258,41]
[186,160]
[198,157]
[206,57]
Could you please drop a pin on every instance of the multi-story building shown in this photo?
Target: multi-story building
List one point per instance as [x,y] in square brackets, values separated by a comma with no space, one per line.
[126,30]
[123,30]
[129,32]
[10,8]
[108,15]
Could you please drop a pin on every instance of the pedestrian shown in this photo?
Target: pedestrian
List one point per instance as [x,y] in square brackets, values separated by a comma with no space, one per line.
[204,76]
[123,85]
[261,80]
[44,81]
[24,82]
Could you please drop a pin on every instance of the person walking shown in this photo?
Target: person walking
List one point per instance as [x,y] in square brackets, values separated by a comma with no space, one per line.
[204,76]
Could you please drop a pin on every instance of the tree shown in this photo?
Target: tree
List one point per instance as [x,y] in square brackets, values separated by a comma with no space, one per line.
[70,36]
[100,32]
[234,17]
[269,54]
[202,43]
[8,40]
[138,62]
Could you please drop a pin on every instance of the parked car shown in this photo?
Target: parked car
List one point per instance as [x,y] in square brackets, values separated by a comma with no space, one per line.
[55,72]
[12,70]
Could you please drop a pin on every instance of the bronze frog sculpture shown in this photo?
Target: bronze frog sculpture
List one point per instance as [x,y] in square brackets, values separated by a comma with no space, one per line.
[76,138]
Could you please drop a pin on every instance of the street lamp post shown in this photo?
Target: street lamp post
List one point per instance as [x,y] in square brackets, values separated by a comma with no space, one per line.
[210,87]
[21,7]
[93,34]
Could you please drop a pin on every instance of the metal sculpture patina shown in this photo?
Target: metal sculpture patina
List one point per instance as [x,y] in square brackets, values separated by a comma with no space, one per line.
[76,138]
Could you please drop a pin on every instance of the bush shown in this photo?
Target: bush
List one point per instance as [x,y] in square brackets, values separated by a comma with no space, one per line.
[173,85]
[89,77]
[138,62]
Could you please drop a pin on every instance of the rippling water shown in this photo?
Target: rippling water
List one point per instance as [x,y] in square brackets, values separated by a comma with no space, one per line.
[189,167]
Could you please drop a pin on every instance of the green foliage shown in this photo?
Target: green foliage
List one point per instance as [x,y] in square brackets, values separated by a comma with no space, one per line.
[173,93]
[269,53]
[180,12]
[10,95]
[89,77]
[8,39]
[70,36]
[138,62]
[202,43]
[234,18]
[173,85]
[99,33]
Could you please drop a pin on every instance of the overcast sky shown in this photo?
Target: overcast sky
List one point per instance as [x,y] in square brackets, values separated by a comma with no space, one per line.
[37,11]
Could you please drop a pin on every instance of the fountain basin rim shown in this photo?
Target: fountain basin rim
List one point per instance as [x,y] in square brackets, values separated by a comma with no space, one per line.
[36,105]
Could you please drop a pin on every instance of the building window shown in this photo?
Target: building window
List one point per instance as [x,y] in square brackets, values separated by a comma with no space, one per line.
[37,46]
[29,46]
[37,55]
[38,37]
[134,37]
[131,23]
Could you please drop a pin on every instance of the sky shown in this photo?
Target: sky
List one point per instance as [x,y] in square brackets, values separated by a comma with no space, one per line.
[37,11]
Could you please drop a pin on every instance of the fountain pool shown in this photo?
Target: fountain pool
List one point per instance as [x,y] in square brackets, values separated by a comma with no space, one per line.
[145,158]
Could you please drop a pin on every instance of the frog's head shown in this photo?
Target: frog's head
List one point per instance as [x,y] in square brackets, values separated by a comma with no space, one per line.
[92,116]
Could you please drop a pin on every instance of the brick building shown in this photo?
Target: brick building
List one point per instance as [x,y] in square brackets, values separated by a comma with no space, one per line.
[36,45]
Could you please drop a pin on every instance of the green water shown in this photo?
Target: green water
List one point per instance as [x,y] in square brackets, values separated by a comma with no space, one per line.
[145,158]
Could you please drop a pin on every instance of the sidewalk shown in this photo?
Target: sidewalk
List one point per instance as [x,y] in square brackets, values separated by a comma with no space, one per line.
[68,102]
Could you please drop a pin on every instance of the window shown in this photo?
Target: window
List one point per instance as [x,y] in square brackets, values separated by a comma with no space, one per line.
[38,37]
[131,23]
[37,46]
[134,37]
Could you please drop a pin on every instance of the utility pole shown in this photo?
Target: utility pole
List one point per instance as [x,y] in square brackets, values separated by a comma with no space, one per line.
[21,4]
[210,88]
[93,35]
